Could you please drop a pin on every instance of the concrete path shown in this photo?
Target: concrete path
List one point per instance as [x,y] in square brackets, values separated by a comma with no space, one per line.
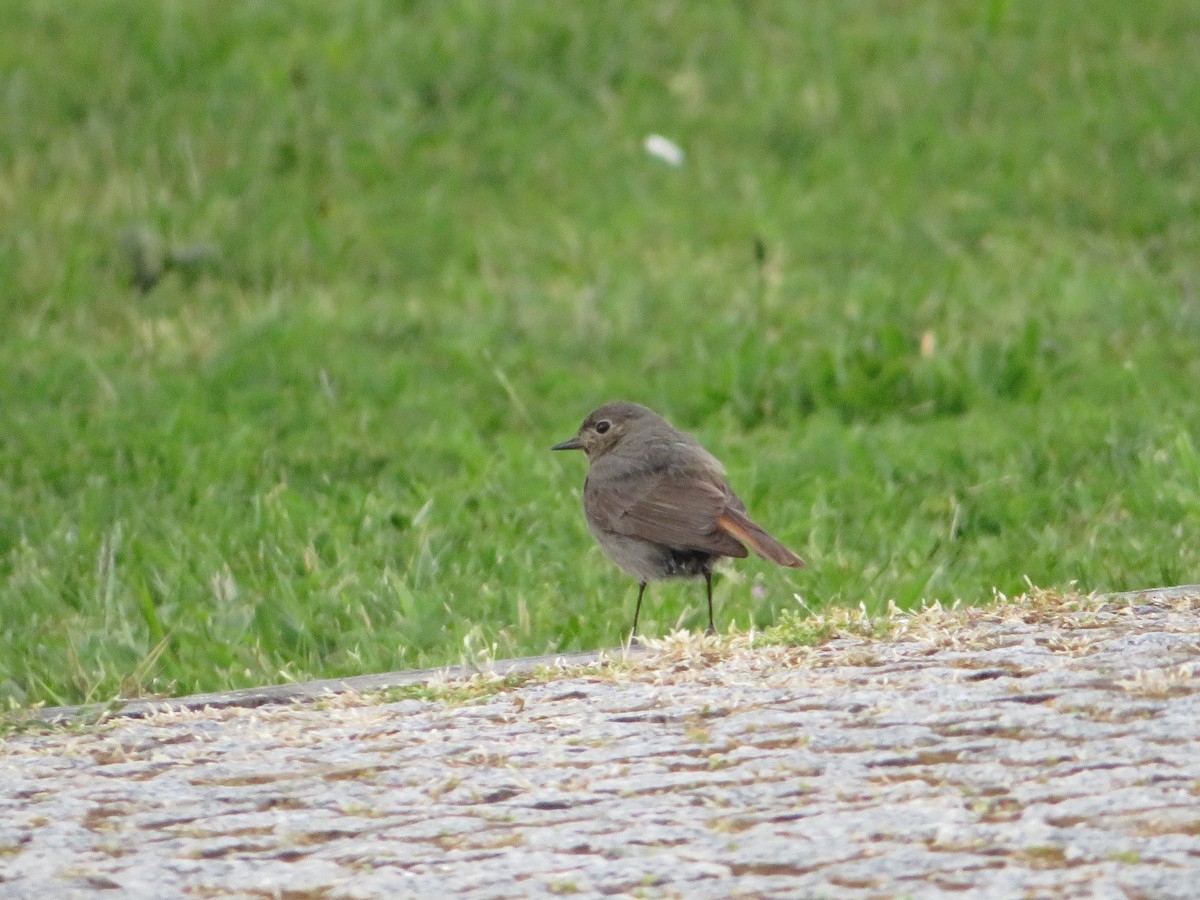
[1043,747]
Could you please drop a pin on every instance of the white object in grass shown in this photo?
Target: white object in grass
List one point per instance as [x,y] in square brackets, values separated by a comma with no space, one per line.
[665,149]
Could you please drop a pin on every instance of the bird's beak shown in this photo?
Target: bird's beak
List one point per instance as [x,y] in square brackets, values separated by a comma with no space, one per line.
[572,444]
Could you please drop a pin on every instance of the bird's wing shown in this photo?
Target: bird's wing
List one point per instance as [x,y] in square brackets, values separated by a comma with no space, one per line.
[679,510]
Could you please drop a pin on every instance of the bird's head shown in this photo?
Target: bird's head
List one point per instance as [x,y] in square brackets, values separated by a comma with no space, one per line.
[608,425]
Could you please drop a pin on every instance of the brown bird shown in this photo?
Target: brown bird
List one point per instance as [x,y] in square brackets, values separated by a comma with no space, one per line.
[657,502]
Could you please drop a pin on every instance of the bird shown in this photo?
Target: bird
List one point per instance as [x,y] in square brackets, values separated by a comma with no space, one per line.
[658,503]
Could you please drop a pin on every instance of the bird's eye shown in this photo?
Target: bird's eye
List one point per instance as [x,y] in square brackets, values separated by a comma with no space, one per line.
[603,426]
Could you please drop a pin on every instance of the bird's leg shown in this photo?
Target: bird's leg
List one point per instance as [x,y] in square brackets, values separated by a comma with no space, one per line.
[638,610]
[708,584]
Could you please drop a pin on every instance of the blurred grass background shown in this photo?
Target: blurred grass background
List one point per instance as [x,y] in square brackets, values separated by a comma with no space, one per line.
[297,296]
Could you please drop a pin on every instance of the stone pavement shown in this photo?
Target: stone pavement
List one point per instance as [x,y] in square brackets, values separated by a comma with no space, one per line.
[1046,746]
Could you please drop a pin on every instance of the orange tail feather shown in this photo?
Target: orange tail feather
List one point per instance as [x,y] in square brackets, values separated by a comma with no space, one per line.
[739,526]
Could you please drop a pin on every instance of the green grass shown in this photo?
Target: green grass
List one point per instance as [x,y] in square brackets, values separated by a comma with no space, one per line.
[928,281]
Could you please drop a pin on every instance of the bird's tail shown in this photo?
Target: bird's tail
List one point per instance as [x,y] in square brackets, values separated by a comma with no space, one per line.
[738,525]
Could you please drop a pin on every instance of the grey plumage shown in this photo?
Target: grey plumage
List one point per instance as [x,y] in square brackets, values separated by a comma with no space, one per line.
[658,503]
